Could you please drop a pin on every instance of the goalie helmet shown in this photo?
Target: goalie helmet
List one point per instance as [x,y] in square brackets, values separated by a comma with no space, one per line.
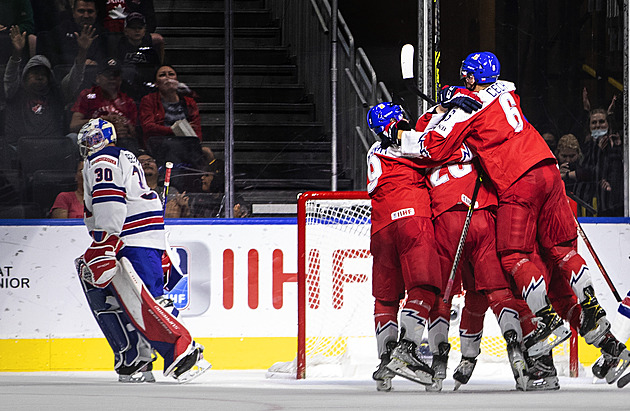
[484,66]
[382,114]
[95,135]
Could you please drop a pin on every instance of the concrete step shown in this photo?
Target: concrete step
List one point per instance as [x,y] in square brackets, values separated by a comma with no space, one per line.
[202,17]
[196,54]
[213,36]
[243,74]
[277,93]
[259,112]
[166,5]
[280,131]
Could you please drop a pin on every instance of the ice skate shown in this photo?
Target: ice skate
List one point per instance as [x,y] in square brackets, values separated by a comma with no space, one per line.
[438,365]
[140,372]
[542,373]
[602,365]
[405,362]
[383,375]
[617,354]
[191,366]
[549,325]
[517,360]
[464,371]
[594,324]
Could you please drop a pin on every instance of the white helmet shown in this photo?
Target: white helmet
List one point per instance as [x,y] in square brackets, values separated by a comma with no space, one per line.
[95,135]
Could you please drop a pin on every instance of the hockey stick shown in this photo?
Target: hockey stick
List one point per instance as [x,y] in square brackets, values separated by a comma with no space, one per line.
[582,234]
[406,66]
[597,260]
[167,183]
[462,240]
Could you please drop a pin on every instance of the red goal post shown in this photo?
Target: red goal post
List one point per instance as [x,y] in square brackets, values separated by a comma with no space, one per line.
[335,303]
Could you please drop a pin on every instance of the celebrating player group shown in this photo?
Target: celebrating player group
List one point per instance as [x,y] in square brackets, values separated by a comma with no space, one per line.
[471,197]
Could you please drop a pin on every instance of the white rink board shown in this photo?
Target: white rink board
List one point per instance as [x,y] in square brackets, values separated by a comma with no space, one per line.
[52,304]
[41,296]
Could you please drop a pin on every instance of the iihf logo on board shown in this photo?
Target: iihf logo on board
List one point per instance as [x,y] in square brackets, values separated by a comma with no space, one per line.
[180,293]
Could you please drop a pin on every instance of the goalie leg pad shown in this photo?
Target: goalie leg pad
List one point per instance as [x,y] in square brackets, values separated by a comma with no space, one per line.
[163,331]
[130,349]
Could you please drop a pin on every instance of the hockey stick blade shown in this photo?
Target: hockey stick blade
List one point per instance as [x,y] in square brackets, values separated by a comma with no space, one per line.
[406,61]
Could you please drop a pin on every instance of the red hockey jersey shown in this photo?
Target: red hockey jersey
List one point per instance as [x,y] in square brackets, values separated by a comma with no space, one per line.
[506,144]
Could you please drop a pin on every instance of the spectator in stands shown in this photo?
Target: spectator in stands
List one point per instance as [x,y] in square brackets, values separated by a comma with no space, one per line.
[610,193]
[161,109]
[115,12]
[177,204]
[35,100]
[140,60]
[16,13]
[69,204]
[210,202]
[551,140]
[589,171]
[569,155]
[105,100]
[61,45]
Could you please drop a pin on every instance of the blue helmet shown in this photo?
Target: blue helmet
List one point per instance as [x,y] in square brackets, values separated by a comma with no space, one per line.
[95,135]
[484,66]
[382,114]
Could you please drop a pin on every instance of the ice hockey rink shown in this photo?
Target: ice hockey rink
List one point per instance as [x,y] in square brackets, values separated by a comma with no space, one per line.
[489,389]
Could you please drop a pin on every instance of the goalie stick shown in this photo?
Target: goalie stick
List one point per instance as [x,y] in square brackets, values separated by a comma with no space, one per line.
[591,249]
[462,240]
[406,66]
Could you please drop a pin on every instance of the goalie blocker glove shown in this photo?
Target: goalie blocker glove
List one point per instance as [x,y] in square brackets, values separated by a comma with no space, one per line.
[453,96]
[100,258]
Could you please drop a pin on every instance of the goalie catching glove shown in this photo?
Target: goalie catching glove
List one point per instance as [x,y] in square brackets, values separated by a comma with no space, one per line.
[100,259]
[453,96]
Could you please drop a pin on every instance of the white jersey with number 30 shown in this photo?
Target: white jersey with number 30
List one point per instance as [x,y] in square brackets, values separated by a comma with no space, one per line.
[118,200]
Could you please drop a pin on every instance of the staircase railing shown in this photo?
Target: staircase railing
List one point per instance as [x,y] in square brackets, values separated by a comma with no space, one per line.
[306,29]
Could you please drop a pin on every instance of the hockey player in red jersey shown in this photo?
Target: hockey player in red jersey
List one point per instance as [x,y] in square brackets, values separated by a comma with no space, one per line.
[121,271]
[405,258]
[532,204]
[451,188]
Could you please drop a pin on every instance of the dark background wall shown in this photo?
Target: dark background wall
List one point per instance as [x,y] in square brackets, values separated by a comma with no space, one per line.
[542,46]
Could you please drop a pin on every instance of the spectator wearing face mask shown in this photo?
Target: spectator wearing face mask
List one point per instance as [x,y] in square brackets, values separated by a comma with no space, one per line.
[590,171]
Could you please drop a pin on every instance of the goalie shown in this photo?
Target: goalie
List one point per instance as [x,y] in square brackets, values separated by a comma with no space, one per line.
[121,271]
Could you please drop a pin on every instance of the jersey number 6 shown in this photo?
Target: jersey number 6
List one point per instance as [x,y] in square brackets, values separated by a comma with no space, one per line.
[512,115]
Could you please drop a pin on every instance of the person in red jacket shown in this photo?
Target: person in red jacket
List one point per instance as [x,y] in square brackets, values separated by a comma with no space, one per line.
[160,110]
[533,207]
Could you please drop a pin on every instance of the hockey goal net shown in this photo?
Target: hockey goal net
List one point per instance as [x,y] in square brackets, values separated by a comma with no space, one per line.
[335,303]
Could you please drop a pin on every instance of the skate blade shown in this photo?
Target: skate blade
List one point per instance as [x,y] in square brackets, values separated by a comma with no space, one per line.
[457,385]
[436,386]
[200,367]
[544,384]
[623,381]
[616,371]
[521,380]
[401,369]
[558,336]
[384,385]
[137,378]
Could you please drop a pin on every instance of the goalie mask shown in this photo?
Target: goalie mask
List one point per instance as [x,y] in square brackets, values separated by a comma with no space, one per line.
[95,135]
[483,66]
[382,114]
